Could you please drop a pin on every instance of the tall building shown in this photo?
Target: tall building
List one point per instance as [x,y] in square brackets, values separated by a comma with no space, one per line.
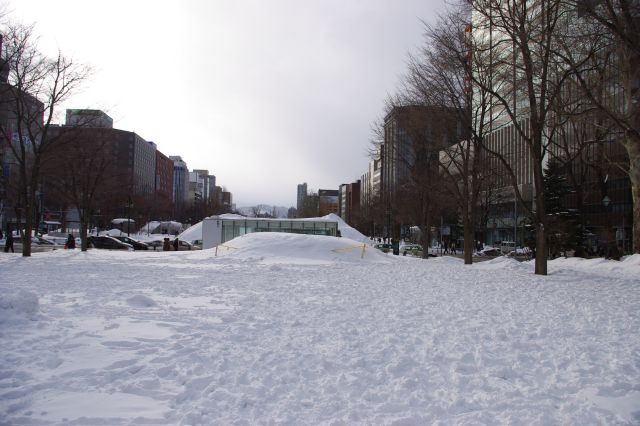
[302,193]
[349,204]
[180,185]
[164,186]
[573,134]
[412,133]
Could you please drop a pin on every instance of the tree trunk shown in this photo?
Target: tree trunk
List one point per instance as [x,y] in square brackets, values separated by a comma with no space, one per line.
[541,219]
[28,225]
[83,233]
[469,234]
[632,145]
[541,250]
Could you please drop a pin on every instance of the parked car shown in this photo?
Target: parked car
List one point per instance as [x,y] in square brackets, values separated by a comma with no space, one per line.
[182,245]
[155,244]
[489,251]
[385,248]
[38,244]
[412,249]
[109,243]
[137,245]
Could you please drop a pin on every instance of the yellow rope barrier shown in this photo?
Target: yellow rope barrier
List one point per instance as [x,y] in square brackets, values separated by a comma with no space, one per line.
[363,247]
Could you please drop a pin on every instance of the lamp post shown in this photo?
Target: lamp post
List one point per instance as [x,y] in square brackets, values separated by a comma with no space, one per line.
[612,248]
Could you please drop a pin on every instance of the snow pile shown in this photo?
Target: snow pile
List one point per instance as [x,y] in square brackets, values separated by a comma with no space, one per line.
[628,266]
[192,233]
[141,301]
[17,305]
[278,247]
[164,227]
[150,227]
[345,229]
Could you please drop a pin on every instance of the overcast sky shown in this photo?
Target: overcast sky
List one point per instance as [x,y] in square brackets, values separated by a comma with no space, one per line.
[265,94]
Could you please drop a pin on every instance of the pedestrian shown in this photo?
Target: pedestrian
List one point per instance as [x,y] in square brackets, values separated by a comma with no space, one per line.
[453,248]
[71,242]
[446,247]
[8,244]
[176,244]
[166,245]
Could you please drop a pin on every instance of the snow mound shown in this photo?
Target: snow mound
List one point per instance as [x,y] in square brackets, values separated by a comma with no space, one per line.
[141,301]
[192,233]
[628,266]
[504,263]
[15,305]
[345,230]
[279,247]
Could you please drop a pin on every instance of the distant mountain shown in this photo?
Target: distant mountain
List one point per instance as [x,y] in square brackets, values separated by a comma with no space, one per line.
[264,210]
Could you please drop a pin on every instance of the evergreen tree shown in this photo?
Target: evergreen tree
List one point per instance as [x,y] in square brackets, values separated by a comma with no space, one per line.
[561,221]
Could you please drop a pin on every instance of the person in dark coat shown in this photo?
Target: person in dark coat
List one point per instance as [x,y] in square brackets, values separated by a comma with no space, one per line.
[166,245]
[8,244]
[176,244]
[71,242]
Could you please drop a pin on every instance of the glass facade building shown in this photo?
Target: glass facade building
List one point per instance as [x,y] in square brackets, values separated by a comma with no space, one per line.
[218,230]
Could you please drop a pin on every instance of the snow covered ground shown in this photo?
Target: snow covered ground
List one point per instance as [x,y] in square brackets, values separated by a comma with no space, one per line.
[298,329]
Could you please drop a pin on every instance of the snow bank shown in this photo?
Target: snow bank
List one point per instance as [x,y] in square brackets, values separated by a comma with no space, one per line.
[192,233]
[279,247]
[345,230]
[628,266]
[16,305]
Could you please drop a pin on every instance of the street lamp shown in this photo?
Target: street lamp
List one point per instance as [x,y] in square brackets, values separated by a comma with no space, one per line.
[129,205]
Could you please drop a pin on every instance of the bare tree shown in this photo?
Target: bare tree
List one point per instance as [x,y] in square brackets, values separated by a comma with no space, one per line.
[34,87]
[440,74]
[84,172]
[518,39]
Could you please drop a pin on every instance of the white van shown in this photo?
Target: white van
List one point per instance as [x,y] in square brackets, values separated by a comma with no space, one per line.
[507,247]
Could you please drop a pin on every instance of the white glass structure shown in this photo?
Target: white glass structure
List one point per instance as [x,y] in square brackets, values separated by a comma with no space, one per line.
[217,230]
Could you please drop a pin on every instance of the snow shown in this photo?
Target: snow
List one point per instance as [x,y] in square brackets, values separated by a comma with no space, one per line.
[298,329]
[345,229]
[192,233]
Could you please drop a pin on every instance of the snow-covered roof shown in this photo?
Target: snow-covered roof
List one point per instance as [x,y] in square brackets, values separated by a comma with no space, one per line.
[119,221]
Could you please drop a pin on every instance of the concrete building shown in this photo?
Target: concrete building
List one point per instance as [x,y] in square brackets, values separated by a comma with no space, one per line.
[88,118]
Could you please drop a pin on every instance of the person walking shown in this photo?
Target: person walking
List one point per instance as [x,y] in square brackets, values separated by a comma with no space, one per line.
[71,242]
[176,244]
[8,244]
